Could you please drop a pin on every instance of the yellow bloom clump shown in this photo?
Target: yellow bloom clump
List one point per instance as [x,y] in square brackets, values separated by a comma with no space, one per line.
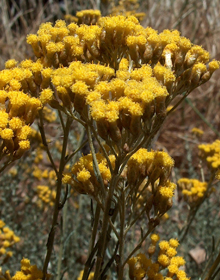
[7,240]
[145,71]
[192,189]
[148,181]
[18,108]
[82,176]
[45,195]
[153,164]
[197,132]
[210,153]
[28,271]
[126,7]
[167,260]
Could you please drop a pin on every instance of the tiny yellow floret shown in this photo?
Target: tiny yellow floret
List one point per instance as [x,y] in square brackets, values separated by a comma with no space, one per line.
[46,95]
[7,134]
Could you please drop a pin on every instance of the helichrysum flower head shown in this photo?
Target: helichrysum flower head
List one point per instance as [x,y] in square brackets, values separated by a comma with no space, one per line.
[174,243]
[46,96]
[154,238]
[11,63]
[7,134]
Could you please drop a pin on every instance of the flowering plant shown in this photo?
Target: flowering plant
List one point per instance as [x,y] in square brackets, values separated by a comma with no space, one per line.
[116,79]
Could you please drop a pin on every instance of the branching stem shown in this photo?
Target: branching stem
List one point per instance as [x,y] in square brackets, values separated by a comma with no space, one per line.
[57,207]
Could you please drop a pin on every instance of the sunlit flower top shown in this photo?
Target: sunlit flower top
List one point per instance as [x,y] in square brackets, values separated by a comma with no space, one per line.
[28,271]
[7,239]
[197,132]
[192,189]
[82,176]
[211,153]
[121,73]
[142,266]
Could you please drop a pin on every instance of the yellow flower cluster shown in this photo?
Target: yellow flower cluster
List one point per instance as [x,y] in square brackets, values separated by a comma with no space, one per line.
[7,239]
[192,189]
[126,8]
[28,272]
[75,85]
[88,17]
[46,174]
[154,165]
[45,195]
[148,179]
[113,38]
[91,275]
[23,81]
[167,260]
[69,18]
[145,71]
[197,132]
[82,176]
[211,154]
[18,109]
[38,155]
[24,76]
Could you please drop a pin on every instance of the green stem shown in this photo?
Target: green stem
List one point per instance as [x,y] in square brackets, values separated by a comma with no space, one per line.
[44,141]
[210,259]
[95,162]
[213,268]
[61,120]
[177,104]
[145,141]
[151,228]
[57,200]
[134,221]
[103,149]
[59,265]
[103,235]
[95,227]
[92,242]
[121,240]
[6,164]
[189,222]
